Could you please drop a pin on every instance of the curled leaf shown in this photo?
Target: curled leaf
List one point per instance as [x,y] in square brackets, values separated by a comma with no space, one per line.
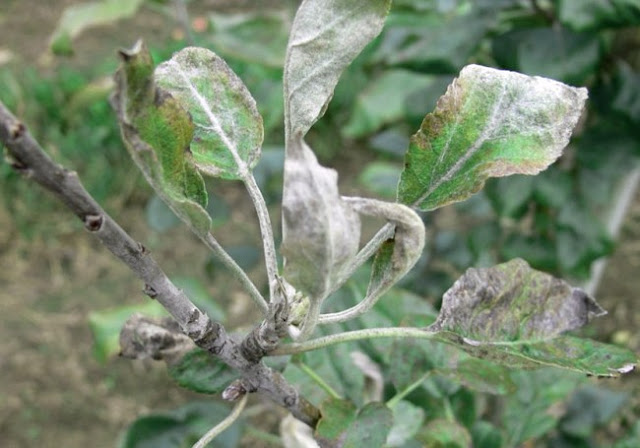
[227,126]
[321,232]
[490,123]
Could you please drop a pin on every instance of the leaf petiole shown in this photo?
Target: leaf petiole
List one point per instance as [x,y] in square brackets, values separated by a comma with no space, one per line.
[393,401]
[318,380]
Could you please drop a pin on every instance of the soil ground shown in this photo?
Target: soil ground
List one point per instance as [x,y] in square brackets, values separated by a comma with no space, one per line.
[53,392]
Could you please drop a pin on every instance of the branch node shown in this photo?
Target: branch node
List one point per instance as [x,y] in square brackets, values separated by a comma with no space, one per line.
[142,248]
[93,223]
[148,290]
[17,130]
[234,391]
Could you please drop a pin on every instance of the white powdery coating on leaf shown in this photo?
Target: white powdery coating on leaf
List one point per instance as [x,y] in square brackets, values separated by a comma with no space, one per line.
[325,38]
[320,231]
[181,76]
[528,106]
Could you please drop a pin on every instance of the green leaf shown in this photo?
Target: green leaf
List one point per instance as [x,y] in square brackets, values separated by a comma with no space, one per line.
[596,14]
[424,41]
[383,101]
[554,52]
[515,315]
[257,37]
[157,132]
[407,420]
[200,372]
[228,128]
[381,178]
[181,428]
[509,196]
[490,123]
[106,325]
[485,435]
[337,415]
[531,412]
[481,376]
[159,216]
[590,406]
[370,428]
[445,434]
[77,18]
[324,40]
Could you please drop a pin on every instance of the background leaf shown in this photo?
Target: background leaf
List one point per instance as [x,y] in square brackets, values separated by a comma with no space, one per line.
[228,128]
[200,372]
[595,14]
[490,123]
[180,428]
[79,17]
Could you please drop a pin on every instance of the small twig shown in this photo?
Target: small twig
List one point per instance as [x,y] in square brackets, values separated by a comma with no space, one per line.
[348,336]
[318,380]
[237,271]
[268,242]
[223,425]
[393,401]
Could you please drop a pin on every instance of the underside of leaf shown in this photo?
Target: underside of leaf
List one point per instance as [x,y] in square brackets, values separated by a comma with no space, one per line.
[490,123]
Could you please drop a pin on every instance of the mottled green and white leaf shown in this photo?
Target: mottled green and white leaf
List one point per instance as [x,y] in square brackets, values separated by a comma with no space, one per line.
[516,316]
[157,131]
[228,130]
[490,123]
[325,38]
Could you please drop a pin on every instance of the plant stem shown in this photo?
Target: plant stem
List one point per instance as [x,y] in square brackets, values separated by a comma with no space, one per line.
[268,242]
[310,319]
[224,424]
[367,252]
[348,336]
[410,388]
[319,381]
[237,271]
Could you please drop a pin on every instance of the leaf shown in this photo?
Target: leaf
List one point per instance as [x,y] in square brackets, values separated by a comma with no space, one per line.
[490,123]
[514,315]
[590,406]
[106,325]
[181,427]
[596,14]
[407,420]
[228,128]
[381,178]
[512,302]
[423,40]
[77,18]
[370,427]
[321,232]
[257,37]
[324,40]
[480,375]
[554,52]
[532,411]
[200,372]
[445,434]
[383,101]
[159,216]
[157,132]
[485,435]
[337,415]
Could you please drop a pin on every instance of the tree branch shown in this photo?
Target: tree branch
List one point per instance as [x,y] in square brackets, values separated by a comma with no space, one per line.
[30,159]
